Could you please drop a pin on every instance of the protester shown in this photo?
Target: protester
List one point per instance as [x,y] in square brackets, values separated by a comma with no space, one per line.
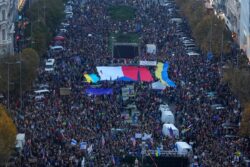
[57,127]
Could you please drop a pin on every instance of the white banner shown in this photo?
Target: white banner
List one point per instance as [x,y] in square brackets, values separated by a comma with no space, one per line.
[146,136]
[147,63]
[83,145]
[138,135]
[151,48]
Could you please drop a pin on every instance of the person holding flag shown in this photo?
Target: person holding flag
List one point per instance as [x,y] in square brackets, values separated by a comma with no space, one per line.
[113,160]
[103,141]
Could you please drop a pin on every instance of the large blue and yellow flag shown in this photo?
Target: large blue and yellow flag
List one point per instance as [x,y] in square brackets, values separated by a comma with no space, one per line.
[162,74]
[91,78]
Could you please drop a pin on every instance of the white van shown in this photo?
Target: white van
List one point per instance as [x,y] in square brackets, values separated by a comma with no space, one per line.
[68,8]
[39,94]
[176,20]
[183,148]
[69,14]
[189,45]
[49,65]
[63,30]
[20,141]
[193,54]
[56,48]
[167,117]
[169,130]
[166,4]
[65,24]
[187,41]
[41,91]
[39,97]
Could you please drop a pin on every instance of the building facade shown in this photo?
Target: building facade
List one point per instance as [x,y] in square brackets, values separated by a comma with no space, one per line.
[8,13]
[232,16]
[236,14]
[244,38]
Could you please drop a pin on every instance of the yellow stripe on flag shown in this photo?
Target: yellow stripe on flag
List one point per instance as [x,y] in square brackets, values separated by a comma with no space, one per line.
[88,78]
[158,72]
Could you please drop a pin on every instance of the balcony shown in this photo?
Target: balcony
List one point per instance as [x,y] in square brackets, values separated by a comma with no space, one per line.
[3,2]
[5,42]
[2,22]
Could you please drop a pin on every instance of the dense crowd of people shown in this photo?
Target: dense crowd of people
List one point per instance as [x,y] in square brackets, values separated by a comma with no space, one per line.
[51,124]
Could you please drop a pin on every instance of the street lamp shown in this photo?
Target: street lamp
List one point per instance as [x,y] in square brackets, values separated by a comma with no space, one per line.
[20,82]
[9,63]
[143,150]
[222,45]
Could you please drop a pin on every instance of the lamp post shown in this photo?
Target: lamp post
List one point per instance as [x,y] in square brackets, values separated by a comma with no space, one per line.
[237,57]
[222,45]
[143,150]
[20,82]
[8,63]
[211,33]
[8,87]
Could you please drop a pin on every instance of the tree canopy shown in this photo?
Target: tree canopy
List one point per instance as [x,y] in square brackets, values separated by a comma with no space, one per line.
[44,16]
[239,81]
[29,66]
[208,30]
[7,135]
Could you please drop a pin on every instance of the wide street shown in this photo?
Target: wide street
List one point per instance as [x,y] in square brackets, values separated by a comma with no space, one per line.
[93,108]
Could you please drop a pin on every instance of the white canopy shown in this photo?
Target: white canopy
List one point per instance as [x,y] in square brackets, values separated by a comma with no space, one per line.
[183,147]
[20,140]
[170,130]
[158,86]
[167,117]
[151,48]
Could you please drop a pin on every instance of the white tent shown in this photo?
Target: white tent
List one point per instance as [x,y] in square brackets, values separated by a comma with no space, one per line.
[158,86]
[151,48]
[20,140]
[183,148]
[167,117]
[164,107]
[170,130]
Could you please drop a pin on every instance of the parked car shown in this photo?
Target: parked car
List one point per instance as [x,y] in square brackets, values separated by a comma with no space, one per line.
[65,24]
[193,54]
[49,65]
[69,14]
[63,30]
[56,48]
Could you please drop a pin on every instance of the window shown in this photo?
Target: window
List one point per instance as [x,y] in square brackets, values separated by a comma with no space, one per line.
[3,15]
[3,35]
[244,41]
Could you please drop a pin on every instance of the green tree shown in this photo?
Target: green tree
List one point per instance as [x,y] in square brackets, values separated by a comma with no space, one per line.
[9,67]
[29,66]
[54,13]
[44,16]
[207,28]
[40,37]
[7,135]
[239,81]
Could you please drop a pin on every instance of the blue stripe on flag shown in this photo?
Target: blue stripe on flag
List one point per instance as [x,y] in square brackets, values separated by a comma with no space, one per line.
[73,142]
[165,77]
[94,78]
